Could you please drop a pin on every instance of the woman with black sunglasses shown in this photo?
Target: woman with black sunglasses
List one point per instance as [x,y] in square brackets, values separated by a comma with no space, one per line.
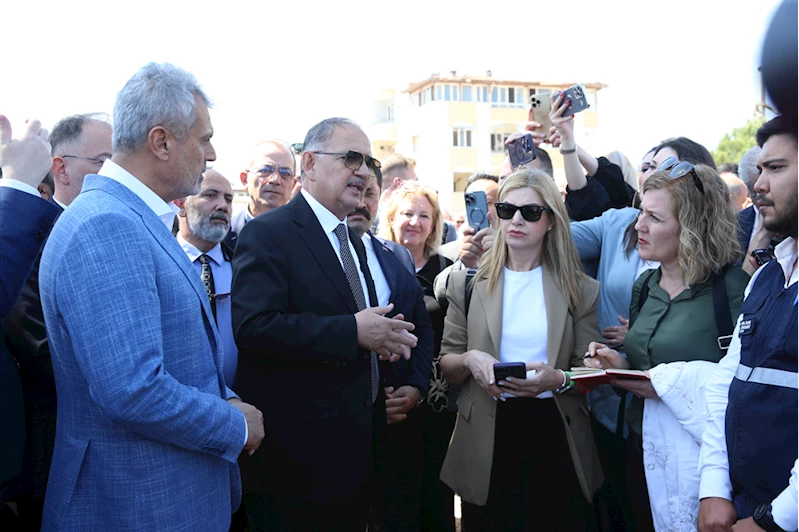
[522,456]
[680,316]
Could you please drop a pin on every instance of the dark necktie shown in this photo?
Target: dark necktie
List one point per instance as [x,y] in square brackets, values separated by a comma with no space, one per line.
[208,280]
[350,270]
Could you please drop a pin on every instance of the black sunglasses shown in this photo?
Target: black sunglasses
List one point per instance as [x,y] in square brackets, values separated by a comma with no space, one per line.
[269,169]
[678,168]
[353,160]
[531,212]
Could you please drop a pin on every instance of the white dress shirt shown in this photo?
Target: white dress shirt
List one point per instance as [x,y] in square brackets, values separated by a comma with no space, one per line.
[165,211]
[19,185]
[223,275]
[713,461]
[381,284]
[329,222]
[524,320]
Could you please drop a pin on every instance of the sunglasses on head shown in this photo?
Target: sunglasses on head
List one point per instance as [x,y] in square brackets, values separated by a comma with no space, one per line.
[353,160]
[269,169]
[531,212]
[678,168]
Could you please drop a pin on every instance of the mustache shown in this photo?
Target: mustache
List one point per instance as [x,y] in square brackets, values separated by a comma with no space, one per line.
[357,181]
[219,216]
[362,212]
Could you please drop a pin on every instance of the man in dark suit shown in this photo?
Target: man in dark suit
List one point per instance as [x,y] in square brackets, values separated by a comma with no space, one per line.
[269,178]
[25,221]
[406,381]
[309,342]
[79,145]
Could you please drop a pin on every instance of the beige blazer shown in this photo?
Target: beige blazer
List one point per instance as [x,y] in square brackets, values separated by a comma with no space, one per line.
[467,467]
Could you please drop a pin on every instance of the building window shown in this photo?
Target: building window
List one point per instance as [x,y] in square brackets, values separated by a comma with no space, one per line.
[498,141]
[462,137]
[447,92]
[499,96]
[516,97]
[466,93]
[428,95]
[482,94]
[416,99]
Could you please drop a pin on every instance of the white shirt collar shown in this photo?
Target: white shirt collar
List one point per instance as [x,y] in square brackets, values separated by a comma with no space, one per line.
[193,253]
[165,211]
[786,256]
[59,203]
[327,219]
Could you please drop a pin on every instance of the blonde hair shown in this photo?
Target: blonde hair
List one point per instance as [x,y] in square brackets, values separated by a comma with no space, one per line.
[558,253]
[708,227]
[410,190]
[627,168]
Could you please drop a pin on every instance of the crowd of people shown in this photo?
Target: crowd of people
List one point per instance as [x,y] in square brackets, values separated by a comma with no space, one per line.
[325,358]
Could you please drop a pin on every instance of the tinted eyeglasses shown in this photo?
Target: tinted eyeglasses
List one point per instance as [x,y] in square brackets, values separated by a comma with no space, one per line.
[678,168]
[353,160]
[267,170]
[531,212]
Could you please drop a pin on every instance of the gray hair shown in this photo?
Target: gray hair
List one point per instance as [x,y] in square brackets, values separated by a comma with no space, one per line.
[747,168]
[157,95]
[70,128]
[319,134]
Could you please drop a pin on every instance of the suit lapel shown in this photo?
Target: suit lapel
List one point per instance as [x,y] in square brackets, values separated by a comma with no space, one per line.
[493,308]
[319,245]
[557,310]
[170,245]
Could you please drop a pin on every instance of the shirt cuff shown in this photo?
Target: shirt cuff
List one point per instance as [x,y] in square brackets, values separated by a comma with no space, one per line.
[19,185]
[783,511]
[715,483]
[246,432]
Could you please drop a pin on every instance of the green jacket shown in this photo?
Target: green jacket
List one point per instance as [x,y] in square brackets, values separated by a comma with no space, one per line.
[681,329]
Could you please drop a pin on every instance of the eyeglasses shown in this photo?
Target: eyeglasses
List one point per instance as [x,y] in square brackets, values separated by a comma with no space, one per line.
[531,212]
[353,160]
[269,169]
[678,168]
[92,159]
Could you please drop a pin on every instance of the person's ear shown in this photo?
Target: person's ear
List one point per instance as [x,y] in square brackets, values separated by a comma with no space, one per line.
[161,142]
[308,162]
[59,171]
[181,203]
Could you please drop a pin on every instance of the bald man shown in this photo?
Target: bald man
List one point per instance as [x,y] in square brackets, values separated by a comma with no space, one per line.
[739,193]
[204,221]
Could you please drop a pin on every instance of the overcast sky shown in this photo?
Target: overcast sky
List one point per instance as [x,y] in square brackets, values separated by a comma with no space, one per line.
[682,67]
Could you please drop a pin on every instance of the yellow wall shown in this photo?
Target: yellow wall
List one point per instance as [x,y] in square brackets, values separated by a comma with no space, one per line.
[462,112]
[508,114]
[590,119]
[463,157]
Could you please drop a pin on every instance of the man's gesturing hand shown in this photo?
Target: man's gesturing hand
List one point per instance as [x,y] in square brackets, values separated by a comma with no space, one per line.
[255,424]
[26,159]
[390,338]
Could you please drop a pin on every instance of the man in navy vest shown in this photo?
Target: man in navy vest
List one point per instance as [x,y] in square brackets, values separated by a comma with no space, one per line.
[748,460]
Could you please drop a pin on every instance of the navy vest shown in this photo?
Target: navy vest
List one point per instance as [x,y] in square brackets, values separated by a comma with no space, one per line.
[761,414]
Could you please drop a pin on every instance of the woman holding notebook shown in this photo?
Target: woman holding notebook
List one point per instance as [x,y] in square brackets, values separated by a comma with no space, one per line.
[680,316]
[529,303]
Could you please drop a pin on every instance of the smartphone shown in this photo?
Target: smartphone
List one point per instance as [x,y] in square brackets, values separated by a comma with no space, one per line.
[576,97]
[762,256]
[502,370]
[476,209]
[521,151]
[541,106]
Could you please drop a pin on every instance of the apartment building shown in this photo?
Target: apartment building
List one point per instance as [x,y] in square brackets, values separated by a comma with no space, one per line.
[455,125]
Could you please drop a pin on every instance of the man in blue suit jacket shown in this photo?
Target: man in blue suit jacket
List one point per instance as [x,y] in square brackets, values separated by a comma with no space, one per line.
[148,434]
[25,221]
[406,381]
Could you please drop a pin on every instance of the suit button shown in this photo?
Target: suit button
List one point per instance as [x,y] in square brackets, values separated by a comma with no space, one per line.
[568,420]
[368,403]
[39,237]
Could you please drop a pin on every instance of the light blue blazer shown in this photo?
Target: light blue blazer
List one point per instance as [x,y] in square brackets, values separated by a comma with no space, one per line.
[145,439]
